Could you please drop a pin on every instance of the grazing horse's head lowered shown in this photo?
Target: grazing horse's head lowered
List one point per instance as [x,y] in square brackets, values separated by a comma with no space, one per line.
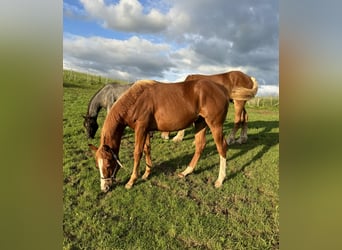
[91,125]
[108,164]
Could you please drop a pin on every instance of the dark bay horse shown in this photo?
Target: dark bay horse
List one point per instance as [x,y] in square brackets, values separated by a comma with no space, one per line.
[235,82]
[153,106]
[103,98]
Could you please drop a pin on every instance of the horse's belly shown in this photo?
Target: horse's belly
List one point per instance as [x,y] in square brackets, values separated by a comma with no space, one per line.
[174,121]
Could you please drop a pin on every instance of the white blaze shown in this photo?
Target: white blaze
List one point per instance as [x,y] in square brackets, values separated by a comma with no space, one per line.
[100,164]
[103,182]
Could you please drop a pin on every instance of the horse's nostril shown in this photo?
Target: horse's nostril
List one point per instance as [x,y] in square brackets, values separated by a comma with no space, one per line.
[106,189]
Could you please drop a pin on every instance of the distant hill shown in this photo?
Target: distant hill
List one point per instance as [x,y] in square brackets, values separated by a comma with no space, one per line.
[74,77]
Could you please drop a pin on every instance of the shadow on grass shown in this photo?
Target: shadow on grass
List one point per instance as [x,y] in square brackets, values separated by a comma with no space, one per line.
[263,137]
[173,166]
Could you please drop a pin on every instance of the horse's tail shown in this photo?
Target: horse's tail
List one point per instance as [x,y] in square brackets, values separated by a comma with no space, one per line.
[244,94]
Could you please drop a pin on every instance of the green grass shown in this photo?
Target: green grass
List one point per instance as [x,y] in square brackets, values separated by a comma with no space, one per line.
[166,212]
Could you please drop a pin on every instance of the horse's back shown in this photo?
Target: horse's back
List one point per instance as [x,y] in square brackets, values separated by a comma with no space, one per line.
[230,79]
[170,106]
[191,96]
[173,106]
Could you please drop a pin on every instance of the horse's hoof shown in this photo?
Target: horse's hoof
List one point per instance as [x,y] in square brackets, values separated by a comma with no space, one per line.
[218,184]
[230,141]
[128,186]
[144,178]
[175,139]
[181,175]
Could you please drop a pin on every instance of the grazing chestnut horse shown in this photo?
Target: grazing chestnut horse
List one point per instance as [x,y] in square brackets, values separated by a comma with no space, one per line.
[149,106]
[234,82]
[103,98]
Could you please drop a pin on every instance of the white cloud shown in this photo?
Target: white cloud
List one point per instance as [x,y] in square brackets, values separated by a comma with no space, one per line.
[133,58]
[174,38]
[127,15]
[268,90]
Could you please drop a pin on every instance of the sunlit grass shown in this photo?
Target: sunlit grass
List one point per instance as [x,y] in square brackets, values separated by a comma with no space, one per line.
[166,212]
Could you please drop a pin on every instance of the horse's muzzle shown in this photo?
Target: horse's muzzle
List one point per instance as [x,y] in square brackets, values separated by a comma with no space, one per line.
[106,189]
[105,185]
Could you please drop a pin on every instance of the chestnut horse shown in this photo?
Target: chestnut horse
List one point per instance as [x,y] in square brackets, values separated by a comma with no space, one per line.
[234,82]
[149,106]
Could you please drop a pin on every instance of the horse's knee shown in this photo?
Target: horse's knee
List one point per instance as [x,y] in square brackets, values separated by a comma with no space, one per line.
[138,155]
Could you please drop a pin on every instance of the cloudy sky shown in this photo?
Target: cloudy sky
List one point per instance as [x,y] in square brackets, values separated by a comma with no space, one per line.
[166,40]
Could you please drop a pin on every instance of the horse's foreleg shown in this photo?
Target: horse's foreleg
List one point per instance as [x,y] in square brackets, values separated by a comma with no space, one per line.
[147,151]
[179,137]
[200,144]
[108,108]
[140,136]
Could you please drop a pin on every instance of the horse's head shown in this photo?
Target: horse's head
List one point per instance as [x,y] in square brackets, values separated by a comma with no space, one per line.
[91,125]
[108,163]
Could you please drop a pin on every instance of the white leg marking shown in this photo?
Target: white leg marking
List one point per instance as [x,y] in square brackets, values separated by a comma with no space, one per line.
[164,135]
[222,173]
[179,136]
[187,171]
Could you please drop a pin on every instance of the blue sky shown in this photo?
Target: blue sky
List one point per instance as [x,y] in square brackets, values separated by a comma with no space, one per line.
[166,40]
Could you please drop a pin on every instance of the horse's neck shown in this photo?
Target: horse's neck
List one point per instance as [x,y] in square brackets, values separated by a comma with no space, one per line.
[112,135]
[94,106]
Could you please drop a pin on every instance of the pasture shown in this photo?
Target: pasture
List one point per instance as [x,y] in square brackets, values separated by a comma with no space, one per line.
[166,212]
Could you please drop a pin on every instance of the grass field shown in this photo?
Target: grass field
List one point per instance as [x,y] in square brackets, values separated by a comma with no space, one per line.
[166,212]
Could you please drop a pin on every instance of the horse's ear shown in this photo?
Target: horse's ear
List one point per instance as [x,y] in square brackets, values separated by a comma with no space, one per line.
[93,148]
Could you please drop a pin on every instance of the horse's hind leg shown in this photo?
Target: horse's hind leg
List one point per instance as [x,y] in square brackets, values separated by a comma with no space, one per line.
[179,137]
[244,119]
[200,129]
[147,151]
[238,106]
[221,146]
[165,135]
